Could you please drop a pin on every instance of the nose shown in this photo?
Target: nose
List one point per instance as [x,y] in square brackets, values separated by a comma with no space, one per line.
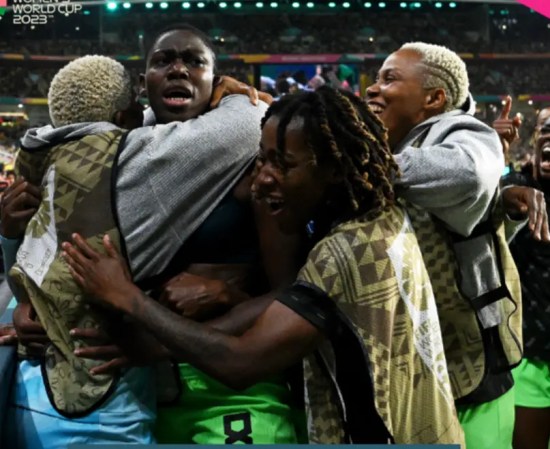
[178,69]
[373,90]
[263,180]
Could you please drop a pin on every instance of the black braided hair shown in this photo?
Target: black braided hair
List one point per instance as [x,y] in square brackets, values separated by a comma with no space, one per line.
[341,131]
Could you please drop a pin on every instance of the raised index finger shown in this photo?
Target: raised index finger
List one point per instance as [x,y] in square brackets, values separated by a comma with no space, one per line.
[507,108]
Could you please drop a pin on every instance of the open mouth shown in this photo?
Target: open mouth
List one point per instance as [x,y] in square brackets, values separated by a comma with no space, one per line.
[275,205]
[545,157]
[176,97]
[376,108]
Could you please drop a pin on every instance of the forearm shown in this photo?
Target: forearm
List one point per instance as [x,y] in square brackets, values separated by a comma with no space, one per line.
[188,341]
[239,319]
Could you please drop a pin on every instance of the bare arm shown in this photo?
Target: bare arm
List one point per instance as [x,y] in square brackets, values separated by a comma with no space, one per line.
[279,338]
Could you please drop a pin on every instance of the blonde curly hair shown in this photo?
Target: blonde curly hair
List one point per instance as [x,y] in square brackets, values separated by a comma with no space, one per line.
[89,89]
[444,69]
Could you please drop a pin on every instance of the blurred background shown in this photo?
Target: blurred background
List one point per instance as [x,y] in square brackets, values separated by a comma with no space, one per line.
[281,46]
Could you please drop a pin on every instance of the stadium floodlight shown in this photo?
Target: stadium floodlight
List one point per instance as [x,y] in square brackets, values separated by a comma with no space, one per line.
[274,4]
[403,4]
[438,4]
[223,5]
[417,4]
[126,5]
[237,4]
[164,5]
[367,5]
[200,5]
[295,4]
[310,4]
[530,102]
[186,5]
[332,5]
[452,5]
[20,105]
[259,5]
[87,12]
[148,5]
[111,6]
[381,5]
[346,4]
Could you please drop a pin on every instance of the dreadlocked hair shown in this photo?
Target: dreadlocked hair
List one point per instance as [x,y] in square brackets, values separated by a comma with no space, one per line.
[342,132]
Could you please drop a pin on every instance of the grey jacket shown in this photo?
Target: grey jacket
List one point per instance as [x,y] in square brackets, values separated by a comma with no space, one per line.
[451,165]
[171,177]
[455,172]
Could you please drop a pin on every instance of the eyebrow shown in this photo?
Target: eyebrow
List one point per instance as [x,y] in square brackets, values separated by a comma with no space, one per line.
[170,52]
[388,70]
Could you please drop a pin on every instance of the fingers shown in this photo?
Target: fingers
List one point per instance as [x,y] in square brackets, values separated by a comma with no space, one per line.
[89,333]
[253,95]
[28,328]
[105,352]
[23,191]
[8,336]
[540,228]
[534,216]
[217,96]
[507,108]
[265,97]
[76,260]
[505,128]
[515,206]
[110,247]
[110,367]
[76,276]
[84,248]
[545,230]
[8,340]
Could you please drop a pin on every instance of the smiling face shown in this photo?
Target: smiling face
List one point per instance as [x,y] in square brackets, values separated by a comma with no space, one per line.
[179,77]
[292,184]
[398,97]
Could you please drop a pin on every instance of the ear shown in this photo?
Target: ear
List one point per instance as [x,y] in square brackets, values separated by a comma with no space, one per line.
[436,100]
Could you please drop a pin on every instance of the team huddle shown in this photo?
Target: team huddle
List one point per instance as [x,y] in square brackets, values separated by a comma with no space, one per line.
[226,269]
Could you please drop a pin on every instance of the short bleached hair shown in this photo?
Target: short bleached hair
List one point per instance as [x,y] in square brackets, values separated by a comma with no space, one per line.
[89,89]
[443,69]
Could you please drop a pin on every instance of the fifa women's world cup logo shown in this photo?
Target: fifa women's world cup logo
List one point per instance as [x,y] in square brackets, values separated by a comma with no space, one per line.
[39,12]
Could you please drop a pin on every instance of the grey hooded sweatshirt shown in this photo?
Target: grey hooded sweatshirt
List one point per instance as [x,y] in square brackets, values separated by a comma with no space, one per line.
[451,165]
[170,177]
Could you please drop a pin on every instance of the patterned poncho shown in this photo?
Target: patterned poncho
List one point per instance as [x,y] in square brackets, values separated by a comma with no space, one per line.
[374,273]
[76,197]
[452,273]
